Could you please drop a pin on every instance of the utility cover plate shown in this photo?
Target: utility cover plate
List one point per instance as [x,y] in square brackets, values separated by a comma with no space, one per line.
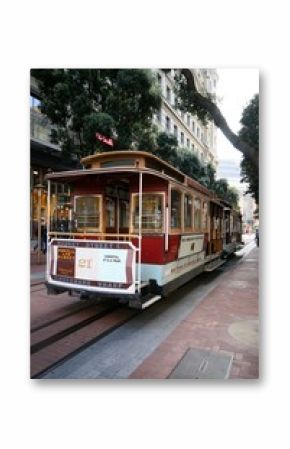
[201,364]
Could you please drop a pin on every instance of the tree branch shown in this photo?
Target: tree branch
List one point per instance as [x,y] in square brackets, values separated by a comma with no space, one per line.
[219,120]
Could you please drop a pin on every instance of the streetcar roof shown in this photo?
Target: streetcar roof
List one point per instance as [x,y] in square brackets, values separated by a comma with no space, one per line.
[137,162]
[74,175]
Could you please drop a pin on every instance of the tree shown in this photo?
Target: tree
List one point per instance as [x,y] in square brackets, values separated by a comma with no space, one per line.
[145,139]
[167,148]
[181,158]
[209,176]
[232,197]
[190,99]
[188,162]
[221,187]
[117,103]
[225,192]
[250,133]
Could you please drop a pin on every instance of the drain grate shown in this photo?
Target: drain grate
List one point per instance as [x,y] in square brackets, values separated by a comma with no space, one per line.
[201,364]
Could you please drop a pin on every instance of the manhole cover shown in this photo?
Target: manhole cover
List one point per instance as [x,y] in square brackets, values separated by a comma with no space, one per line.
[246,332]
[201,364]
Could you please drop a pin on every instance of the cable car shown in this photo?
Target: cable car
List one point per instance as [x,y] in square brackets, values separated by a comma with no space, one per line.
[136,229]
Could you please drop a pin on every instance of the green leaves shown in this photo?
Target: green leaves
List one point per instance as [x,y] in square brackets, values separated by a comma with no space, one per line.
[113,102]
[186,99]
[225,192]
[250,134]
[188,162]
[97,122]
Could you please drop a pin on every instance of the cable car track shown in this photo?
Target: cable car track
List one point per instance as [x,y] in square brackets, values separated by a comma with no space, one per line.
[76,308]
[59,340]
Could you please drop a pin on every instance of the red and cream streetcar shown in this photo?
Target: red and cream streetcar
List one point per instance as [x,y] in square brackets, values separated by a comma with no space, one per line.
[134,228]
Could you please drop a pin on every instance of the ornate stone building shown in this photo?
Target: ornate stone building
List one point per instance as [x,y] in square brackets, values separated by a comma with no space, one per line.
[188,130]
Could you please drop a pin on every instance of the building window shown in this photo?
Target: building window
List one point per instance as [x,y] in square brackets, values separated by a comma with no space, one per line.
[192,147]
[176,131]
[187,211]
[168,124]
[182,138]
[193,126]
[188,143]
[152,212]
[175,209]
[197,131]
[188,120]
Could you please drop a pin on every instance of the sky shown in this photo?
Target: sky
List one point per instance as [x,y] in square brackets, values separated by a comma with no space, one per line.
[235,88]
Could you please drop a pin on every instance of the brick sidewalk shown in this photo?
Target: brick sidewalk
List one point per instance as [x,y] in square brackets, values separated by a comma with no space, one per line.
[37,271]
[225,322]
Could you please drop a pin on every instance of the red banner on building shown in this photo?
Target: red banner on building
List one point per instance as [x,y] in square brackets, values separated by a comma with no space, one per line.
[104,139]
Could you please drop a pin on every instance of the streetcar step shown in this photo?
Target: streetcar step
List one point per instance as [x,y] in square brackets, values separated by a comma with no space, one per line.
[150,301]
[145,302]
[213,265]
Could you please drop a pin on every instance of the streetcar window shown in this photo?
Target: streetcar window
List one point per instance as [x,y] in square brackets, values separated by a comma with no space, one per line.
[110,212]
[87,212]
[197,213]
[231,223]
[118,163]
[187,211]
[175,209]
[124,213]
[60,208]
[204,216]
[152,212]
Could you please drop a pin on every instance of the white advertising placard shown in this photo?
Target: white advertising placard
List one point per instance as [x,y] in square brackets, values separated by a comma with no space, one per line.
[190,244]
[103,265]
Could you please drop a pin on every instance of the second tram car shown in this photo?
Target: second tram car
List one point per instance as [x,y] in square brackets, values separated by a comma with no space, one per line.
[135,228]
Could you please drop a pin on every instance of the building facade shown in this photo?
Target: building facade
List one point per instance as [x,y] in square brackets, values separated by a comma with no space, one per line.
[45,157]
[189,131]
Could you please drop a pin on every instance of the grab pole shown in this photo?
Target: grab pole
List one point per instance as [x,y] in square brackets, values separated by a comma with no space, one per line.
[140,229]
[48,228]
